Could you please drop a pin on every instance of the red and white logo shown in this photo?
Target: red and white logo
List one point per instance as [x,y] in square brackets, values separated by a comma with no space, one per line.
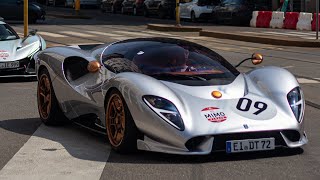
[4,54]
[213,114]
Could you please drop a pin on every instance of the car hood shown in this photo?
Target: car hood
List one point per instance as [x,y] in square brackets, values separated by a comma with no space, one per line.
[18,49]
[244,106]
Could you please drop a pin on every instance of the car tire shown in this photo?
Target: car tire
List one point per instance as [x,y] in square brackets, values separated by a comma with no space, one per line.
[193,17]
[161,13]
[113,9]
[48,106]
[33,18]
[145,12]
[121,129]
[134,11]
[103,10]
[122,10]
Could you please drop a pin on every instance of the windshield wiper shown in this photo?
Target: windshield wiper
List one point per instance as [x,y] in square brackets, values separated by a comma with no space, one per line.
[178,76]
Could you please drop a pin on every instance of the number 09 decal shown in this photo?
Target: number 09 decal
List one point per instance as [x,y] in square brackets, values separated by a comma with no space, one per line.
[244,104]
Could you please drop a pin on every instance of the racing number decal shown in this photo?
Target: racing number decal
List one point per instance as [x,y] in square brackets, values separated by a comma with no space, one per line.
[244,104]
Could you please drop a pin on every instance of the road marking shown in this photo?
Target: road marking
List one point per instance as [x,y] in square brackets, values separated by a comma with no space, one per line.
[159,33]
[121,38]
[58,153]
[51,34]
[104,34]
[76,34]
[303,33]
[287,67]
[307,81]
[286,34]
[133,33]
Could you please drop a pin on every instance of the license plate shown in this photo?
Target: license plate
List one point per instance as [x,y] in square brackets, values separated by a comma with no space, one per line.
[8,65]
[250,145]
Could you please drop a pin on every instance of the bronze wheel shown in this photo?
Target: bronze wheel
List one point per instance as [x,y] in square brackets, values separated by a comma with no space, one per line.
[44,96]
[121,129]
[115,120]
[48,106]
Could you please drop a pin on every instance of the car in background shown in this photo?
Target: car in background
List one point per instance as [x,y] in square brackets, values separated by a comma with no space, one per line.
[197,9]
[71,3]
[238,12]
[16,54]
[134,7]
[162,8]
[113,6]
[13,10]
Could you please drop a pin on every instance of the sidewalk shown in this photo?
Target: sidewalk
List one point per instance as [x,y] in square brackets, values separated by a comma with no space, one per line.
[283,37]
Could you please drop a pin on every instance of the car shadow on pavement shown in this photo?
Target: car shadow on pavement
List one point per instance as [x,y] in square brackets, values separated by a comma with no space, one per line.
[143,157]
[87,145]
[17,79]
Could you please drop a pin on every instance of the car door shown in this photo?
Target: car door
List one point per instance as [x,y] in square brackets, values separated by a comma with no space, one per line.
[11,9]
[183,7]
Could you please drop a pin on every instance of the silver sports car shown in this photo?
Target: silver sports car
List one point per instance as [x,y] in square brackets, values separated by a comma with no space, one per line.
[16,54]
[172,96]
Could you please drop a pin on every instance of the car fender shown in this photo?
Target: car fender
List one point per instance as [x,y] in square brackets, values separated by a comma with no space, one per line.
[132,87]
[276,82]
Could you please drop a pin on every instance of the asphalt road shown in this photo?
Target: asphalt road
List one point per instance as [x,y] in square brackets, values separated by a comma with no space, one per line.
[31,150]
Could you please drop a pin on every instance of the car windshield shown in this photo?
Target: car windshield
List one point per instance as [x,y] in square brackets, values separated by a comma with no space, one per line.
[7,33]
[167,59]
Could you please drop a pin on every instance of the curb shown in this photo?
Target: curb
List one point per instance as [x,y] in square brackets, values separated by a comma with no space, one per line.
[173,28]
[69,16]
[259,39]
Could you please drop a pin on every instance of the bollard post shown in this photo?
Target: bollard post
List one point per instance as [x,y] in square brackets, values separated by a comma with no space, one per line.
[77,6]
[25,18]
[317,19]
[178,13]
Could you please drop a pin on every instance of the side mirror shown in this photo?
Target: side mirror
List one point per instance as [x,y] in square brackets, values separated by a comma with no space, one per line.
[33,32]
[255,59]
[94,66]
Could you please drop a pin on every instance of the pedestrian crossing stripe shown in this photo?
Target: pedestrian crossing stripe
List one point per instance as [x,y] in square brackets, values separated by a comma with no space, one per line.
[133,33]
[51,146]
[73,33]
[307,81]
[104,34]
[43,33]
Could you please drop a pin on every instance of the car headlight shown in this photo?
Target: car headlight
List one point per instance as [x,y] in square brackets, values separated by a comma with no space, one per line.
[166,110]
[296,102]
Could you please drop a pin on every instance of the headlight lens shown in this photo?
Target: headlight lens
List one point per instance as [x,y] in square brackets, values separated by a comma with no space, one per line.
[296,102]
[166,110]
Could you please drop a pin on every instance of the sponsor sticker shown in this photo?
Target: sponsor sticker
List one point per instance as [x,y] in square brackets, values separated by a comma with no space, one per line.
[213,114]
[4,54]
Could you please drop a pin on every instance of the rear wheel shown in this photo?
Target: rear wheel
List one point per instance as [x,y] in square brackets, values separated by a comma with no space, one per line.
[193,17]
[33,18]
[145,12]
[121,129]
[122,10]
[161,12]
[48,106]
[134,12]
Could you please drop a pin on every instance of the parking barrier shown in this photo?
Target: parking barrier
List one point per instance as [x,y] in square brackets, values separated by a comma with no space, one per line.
[277,19]
[263,19]
[304,22]
[291,20]
[313,24]
[253,21]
